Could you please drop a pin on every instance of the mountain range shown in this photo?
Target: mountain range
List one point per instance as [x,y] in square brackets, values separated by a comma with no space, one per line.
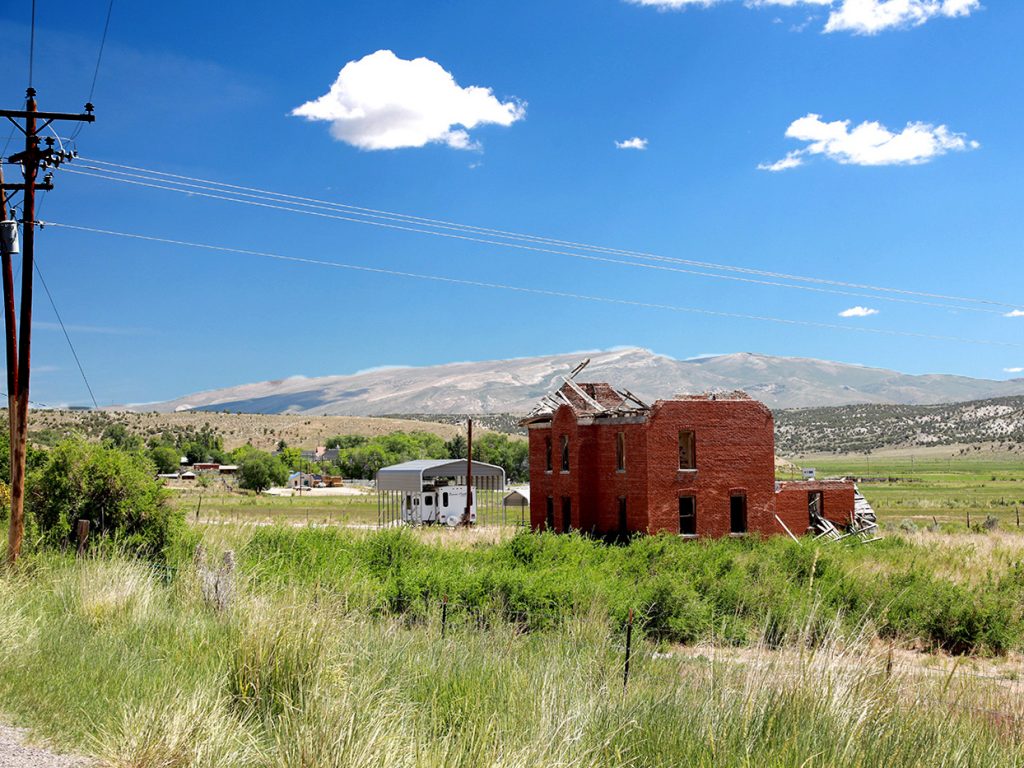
[515,385]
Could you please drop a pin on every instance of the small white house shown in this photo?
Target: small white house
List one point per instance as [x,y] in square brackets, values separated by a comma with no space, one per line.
[301,481]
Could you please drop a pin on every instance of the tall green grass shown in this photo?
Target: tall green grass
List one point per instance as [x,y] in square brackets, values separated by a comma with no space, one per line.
[729,591]
[103,657]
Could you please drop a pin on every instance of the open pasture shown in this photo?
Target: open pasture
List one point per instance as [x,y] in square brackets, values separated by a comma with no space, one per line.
[932,488]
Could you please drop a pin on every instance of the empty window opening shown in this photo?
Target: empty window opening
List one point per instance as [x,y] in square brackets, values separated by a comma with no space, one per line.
[687,450]
[547,454]
[738,514]
[815,506]
[408,501]
[687,516]
[623,520]
[444,498]
[565,453]
[566,514]
[620,451]
[549,517]
[428,501]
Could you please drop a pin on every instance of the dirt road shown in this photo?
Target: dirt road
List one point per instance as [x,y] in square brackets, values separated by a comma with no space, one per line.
[14,753]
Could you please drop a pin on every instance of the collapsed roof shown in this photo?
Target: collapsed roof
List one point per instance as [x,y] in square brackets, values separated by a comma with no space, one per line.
[604,400]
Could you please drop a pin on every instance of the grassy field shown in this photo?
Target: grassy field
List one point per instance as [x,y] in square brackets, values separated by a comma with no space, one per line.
[923,489]
[926,488]
[219,507]
[307,667]
[341,645]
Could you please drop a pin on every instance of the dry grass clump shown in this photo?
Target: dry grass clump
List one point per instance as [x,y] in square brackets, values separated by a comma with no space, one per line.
[104,591]
[195,730]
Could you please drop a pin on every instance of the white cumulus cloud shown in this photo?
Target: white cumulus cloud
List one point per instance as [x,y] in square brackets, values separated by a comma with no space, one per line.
[858,312]
[861,17]
[869,143]
[1015,313]
[384,102]
[868,17]
[635,143]
[1013,370]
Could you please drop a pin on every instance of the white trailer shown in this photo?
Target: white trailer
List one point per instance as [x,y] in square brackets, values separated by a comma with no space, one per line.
[444,504]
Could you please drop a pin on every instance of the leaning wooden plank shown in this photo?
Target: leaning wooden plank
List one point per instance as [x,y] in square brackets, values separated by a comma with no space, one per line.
[794,538]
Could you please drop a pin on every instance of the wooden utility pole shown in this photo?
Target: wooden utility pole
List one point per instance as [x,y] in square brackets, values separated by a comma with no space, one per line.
[467,517]
[32,159]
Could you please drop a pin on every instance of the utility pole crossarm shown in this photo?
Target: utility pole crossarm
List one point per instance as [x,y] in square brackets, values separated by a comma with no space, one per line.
[86,117]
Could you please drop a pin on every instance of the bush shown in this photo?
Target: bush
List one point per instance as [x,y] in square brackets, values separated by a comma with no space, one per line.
[116,490]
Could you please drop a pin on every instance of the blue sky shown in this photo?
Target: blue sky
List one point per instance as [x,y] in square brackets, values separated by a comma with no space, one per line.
[207,90]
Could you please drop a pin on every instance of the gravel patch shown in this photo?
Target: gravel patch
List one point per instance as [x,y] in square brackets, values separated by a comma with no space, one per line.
[15,753]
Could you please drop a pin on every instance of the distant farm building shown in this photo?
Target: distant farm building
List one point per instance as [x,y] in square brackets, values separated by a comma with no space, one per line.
[321,454]
[605,462]
[517,505]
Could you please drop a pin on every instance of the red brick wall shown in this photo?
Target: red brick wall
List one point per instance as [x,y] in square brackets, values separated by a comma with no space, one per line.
[556,483]
[792,499]
[735,451]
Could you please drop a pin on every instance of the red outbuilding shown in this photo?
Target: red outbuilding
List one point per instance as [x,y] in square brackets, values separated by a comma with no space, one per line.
[602,461]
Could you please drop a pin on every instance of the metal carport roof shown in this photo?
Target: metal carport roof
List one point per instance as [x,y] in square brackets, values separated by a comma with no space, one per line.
[410,475]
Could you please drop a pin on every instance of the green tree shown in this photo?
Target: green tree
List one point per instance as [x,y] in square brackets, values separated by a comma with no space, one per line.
[511,455]
[116,490]
[118,436]
[292,459]
[346,441]
[456,447]
[259,470]
[166,458]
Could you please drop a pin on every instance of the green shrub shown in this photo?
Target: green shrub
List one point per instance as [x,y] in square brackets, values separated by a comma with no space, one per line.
[115,490]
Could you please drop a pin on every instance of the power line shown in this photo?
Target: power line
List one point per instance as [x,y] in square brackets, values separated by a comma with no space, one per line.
[263,202]
[99,58]
[390,215]
[533,290]
[74,354]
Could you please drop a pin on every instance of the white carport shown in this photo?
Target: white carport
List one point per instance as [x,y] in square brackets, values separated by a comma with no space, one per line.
[394,483]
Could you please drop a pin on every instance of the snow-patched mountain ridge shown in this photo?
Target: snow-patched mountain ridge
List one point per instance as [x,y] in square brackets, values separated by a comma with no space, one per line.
[515,385]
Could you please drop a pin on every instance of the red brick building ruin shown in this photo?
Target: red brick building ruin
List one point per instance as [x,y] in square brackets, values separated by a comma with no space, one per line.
[604,462]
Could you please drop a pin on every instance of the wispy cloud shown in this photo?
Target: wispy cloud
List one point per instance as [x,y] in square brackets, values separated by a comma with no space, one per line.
[635,143]
[1015,313]
[1013,370]
[859,17]
[384,102]
[858,312]
[869,143]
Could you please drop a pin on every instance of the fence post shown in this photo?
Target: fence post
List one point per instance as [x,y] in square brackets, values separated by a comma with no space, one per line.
[968,519]
[444,615]
[82,535]
[629,643]
[1018,517]
[199,506]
